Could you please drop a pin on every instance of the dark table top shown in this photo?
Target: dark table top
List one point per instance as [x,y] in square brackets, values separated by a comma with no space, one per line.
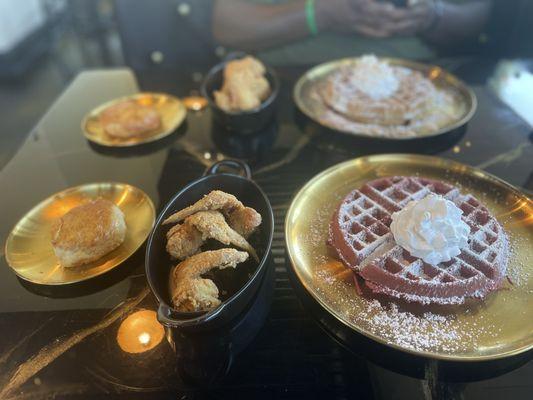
[64,342]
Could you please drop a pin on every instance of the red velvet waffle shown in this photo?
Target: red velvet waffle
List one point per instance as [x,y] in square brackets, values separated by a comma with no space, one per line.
[359,232]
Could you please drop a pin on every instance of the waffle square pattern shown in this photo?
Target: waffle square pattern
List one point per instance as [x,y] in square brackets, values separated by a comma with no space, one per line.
[360,235]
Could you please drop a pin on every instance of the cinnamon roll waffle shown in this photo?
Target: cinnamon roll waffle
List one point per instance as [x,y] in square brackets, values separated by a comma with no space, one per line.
[363,97]
[372,97]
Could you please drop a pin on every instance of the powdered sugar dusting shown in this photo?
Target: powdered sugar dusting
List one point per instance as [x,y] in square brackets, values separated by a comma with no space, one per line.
[373,77]
[419,331]
[443,102]
[519,273]
[413,332]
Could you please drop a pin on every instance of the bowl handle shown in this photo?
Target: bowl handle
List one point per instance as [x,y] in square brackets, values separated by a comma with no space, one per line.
[234,55]
[166,316]
[240,166]
[163,315]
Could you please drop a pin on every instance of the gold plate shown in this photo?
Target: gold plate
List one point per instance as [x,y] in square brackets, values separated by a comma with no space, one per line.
[171,110]
[465,98]
[500,325]
[28,247]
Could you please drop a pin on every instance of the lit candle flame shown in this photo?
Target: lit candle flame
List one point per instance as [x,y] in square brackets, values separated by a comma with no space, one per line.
[144,338]
[140,332]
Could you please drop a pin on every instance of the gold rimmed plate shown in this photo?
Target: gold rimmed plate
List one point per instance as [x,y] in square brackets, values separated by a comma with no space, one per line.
[309,102]
[498,326]
[28,247]
[171,110]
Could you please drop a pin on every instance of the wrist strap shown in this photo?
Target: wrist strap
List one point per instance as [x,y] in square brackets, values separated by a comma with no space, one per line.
[311,17]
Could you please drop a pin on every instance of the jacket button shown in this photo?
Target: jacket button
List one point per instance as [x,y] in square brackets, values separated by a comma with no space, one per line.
[184,9]
[220,51]
[157,57]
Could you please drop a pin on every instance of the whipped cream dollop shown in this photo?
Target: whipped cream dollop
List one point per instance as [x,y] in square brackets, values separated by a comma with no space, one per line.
[374,78]
[431,229]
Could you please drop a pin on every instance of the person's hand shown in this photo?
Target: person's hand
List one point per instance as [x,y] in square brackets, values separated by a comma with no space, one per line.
[383,19]
[375,18]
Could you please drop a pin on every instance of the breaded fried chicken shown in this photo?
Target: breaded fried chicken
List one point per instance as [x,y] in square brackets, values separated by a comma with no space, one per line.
[186,239]
[242,219]
[191,292]
[244,86]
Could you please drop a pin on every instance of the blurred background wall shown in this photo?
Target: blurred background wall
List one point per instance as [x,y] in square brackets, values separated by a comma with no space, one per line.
[43,45]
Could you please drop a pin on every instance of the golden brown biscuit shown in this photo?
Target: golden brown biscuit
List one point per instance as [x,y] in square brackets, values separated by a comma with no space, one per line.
[88,232]
[128,118]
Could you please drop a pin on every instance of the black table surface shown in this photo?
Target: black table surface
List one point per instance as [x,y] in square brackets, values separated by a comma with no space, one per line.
[62,343]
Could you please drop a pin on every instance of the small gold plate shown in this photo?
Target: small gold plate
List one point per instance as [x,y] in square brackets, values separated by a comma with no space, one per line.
[500,325]
[29,250]
[465,98]
[171,110]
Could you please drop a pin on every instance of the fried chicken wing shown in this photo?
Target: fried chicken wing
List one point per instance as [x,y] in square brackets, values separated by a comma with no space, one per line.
[183,240]
[242,219]
[246,65]
[186,239]
[191,292]
[244,86]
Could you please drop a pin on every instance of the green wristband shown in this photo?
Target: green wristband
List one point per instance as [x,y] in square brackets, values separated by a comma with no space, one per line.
[311,17]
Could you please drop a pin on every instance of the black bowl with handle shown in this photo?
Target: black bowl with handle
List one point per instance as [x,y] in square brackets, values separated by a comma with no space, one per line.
[243,122]
[241,283]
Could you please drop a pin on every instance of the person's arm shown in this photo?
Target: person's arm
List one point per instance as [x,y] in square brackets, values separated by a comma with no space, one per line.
[252,26]
[455,22]
[248,26]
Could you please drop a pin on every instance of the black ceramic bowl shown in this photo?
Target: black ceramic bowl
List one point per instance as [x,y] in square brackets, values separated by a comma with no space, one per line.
[242,282]
[243,122]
